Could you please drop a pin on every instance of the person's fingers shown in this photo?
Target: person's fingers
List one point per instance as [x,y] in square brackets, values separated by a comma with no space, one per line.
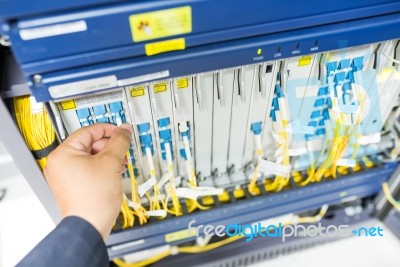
[118,144]
[83,138]
[99,145]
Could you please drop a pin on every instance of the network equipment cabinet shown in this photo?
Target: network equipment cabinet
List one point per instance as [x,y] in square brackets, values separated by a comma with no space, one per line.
[243,112]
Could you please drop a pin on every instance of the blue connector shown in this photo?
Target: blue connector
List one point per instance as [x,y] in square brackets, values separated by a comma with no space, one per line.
[323,91]
[325,113]
[315,114]
[99,111]
[144,127]
[358,63]
[84,117]
[319,102]
[345,63]
[273,115]
[183,153]
[117,110]
[256,127]
[320,132]
[165,134]
[186,134]
[146,139]
[275,103]
[350,76]
[331,66]
[163,122]
[278,91]
[339,77]
[329,102]
[346,87]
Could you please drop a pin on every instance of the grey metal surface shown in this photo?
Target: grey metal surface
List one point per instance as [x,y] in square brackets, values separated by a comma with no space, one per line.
[392,221]
[15,145]
[383,207]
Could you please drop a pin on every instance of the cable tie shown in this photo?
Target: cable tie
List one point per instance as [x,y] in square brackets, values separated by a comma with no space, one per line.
[44,152]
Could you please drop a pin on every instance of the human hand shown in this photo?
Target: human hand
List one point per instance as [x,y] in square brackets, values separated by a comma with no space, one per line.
[84,173]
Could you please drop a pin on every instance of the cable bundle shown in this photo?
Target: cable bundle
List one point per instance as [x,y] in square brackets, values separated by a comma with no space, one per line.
[36,127]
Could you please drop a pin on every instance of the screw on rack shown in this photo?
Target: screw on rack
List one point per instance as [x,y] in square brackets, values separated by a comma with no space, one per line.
[5,40]
[37,79]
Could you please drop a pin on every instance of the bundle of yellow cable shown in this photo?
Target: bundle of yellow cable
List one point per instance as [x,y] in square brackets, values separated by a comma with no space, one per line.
[200,249]
[176,208]
[128,215]
[350,132]
[193,204]
[35,126]
[139,210]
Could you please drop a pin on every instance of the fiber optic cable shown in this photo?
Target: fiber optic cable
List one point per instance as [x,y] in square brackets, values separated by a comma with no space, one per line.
[156,196]
[138,210]
[176,207]
[36,127]
[389,197]
[191,203]
[200,249]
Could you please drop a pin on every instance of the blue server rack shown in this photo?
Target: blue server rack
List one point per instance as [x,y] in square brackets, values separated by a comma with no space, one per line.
[222,34]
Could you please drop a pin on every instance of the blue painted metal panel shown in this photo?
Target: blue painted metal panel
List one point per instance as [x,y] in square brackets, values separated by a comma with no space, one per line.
[213,21]
[234,53]
[356,185]
[12,9]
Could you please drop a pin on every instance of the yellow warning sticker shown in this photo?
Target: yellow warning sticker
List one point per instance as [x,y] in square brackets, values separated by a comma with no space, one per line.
[304,61]
[137,91]
[182,83]
[68,104]
[160,87]
[180,235]
[163,23]
[164,46]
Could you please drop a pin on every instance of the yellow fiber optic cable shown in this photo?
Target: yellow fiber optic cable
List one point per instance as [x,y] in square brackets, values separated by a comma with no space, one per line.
[389,197]
[200,249]
[35,126]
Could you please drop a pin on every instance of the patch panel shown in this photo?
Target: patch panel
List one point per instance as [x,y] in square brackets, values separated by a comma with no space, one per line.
[161,95]
[242,86]
[182,99]
[139,102]
[221,125]
[203,117]
[181,124]
[260,97]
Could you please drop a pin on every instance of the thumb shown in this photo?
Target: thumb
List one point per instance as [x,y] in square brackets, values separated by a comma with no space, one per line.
[118,144]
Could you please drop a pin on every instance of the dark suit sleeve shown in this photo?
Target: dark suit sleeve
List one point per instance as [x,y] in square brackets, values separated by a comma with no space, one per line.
[74,242]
